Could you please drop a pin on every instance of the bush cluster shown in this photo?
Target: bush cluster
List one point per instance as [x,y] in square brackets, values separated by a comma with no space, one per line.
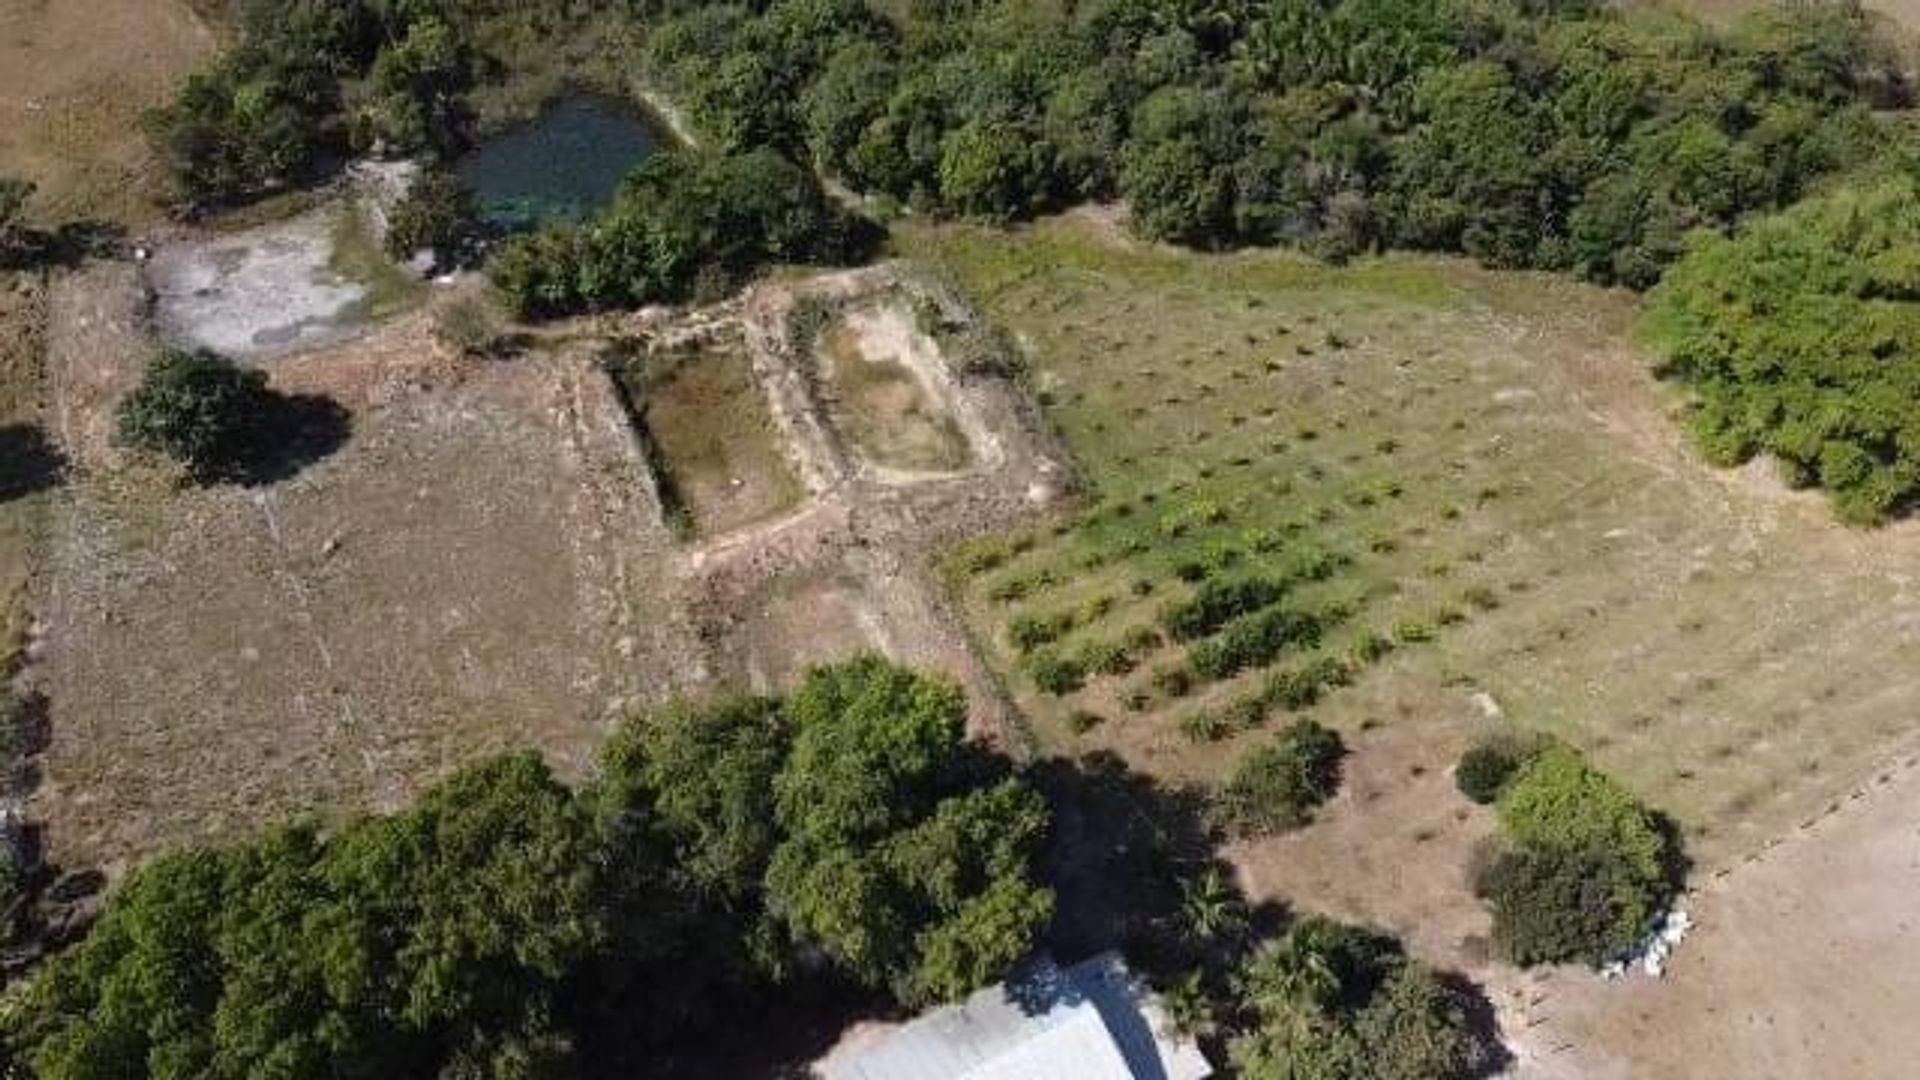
[682,223]
[1278,784]
[1254,640]
[1579,136]
[1218,602]
[1332,1000]
[311,78]
[1800,338]
[1588,869]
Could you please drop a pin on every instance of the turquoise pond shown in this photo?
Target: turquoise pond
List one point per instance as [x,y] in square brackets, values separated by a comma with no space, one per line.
[561,165]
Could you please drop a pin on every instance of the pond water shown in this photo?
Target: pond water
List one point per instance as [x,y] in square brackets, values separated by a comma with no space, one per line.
[560,166]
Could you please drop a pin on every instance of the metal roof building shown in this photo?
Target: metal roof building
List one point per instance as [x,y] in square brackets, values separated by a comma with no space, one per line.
[1092,1021]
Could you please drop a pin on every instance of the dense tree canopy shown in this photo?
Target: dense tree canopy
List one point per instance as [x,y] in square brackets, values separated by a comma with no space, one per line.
[1333,1002]
[903,855]
[1569,135]
[683,224]
[507,926]
[401,946]
[1800,338]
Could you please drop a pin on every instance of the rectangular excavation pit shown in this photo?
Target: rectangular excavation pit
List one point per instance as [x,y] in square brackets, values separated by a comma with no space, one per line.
[717,455]
[885,390]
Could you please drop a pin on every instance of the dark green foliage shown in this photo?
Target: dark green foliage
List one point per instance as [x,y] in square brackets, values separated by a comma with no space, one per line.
[902,857]
[1485,768]
[265,114]
[404,945]
[437,213]
[701,775]
[1800,338]
[506,926]
[200,409]
[1339,1002]
[1278,784]
[1218,602]
[1055,674]
[1252,641]
[1570,136]
[1556,905]
[1589,870]
[680,221]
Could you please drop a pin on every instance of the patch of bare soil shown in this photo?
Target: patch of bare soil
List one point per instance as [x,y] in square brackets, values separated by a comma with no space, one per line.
[717,442]
[886,403]
[75,78]
[458,580]
[1806,964]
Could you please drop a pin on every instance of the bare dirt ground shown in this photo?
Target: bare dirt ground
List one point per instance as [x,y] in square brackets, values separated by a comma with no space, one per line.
[885,403]
[716,439]
[455,581]
[254,294]
[1806,965]
[75,77]
[484,564]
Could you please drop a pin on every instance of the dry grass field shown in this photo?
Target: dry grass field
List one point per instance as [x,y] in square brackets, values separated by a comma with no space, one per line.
[1500,477]
[454,580]
[1714,640]
[75,78]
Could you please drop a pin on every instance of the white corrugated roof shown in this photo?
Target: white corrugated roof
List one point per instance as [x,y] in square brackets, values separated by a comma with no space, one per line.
[1092,1021]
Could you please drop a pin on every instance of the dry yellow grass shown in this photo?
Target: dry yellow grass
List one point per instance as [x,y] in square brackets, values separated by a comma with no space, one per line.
[75,78]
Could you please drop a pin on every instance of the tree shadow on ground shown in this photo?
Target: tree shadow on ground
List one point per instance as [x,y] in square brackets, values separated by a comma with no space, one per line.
[29,461]
[1491,1057]
[296,431]
[66,246]
[1127,858]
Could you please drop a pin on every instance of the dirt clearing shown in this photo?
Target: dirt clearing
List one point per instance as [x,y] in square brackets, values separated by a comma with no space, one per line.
[881,397]
[445,586]
[721,458]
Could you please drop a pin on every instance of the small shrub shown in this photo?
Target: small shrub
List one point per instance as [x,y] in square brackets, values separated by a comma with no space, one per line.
[1205,726]
[1029,632]
[1081,721]
[437,213]
[1107,658]
[983,556]
[1368,647]
[469,326]
[1278,785]
[1411,630]
[1487,766]
[1055,674]
[1174,681]
[200,409]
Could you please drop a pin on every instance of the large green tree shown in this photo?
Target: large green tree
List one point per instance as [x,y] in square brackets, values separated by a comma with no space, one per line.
[903,855]
[1800,338]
